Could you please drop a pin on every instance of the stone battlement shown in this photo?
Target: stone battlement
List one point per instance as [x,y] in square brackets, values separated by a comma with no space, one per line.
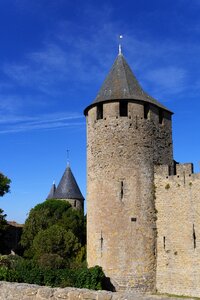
[179,170]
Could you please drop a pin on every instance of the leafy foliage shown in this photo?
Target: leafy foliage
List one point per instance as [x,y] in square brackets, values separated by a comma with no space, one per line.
[4,184]
[3,227]
[4,188]
[22,270]
[56,240]
[53,227]
[51,261]
[2,220]
[90,278]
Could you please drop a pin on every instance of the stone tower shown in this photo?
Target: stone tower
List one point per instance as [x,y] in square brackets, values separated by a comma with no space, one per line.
[67,190]
[128,132]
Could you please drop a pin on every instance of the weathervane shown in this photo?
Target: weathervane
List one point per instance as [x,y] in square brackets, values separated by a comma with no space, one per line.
[120,46]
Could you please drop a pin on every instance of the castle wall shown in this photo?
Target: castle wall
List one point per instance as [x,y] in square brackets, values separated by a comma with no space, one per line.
[178,230]
[75,203]
[121,152]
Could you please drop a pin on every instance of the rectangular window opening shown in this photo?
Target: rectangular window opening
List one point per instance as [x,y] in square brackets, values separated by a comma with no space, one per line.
[123,109]
[100,111]
[161,115]
[133,219]
[146,110]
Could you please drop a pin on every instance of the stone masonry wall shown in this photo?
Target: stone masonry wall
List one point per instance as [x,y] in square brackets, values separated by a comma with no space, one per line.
[121,152]
[178,230]
[23,291]
[75,203]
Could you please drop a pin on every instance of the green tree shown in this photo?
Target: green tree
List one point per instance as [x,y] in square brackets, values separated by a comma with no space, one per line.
[53,227]
[55,240]
[4,188]
[4,184]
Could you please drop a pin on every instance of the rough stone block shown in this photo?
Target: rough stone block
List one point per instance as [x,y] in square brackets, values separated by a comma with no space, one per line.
[104,296]
[62,293]
[45,293]
[74,295]
[90,295]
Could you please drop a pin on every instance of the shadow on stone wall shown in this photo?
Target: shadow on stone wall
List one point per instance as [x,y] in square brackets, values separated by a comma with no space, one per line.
[107,285]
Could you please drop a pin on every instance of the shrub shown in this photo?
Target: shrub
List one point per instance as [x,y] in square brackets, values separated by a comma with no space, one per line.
[9,261]
[90,278]
[28,271]
[3,273]
[51,261]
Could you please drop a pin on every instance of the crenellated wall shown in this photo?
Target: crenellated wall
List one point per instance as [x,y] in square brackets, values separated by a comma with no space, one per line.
[177,201]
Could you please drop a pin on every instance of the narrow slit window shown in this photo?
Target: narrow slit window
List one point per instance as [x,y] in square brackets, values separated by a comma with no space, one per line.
[123,109]
[194,237]
[101,242]
[122,190]
[100,111]
[160,116]
[164,242]
[146,111]
[75,203]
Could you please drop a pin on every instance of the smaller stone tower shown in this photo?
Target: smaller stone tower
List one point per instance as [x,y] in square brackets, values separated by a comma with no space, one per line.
[67,190]
[52,191]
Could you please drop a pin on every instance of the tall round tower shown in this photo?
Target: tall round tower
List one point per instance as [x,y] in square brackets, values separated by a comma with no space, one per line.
[128,132]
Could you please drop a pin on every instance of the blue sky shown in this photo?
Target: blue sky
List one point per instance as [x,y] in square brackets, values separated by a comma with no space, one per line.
[54,56]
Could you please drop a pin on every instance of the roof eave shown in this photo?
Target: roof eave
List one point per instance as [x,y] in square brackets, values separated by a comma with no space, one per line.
[125,99]
[69,198]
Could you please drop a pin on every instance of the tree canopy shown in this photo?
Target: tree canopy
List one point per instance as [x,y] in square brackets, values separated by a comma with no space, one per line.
[4,188]
[53,227]
[4,184]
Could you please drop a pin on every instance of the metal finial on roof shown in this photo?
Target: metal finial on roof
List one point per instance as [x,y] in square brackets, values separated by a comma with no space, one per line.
[120,46]
[68,157]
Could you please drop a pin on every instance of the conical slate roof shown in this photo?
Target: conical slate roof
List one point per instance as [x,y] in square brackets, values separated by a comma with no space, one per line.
[68,187]
[52,192]
[121,84]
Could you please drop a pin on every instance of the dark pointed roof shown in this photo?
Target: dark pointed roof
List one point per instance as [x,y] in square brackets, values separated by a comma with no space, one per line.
[121,84]
[68,187]
[52,192]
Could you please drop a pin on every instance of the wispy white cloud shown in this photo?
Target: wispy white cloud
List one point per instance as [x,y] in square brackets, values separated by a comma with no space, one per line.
[9,104]
[76,60]
[167,80]
[14,123]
